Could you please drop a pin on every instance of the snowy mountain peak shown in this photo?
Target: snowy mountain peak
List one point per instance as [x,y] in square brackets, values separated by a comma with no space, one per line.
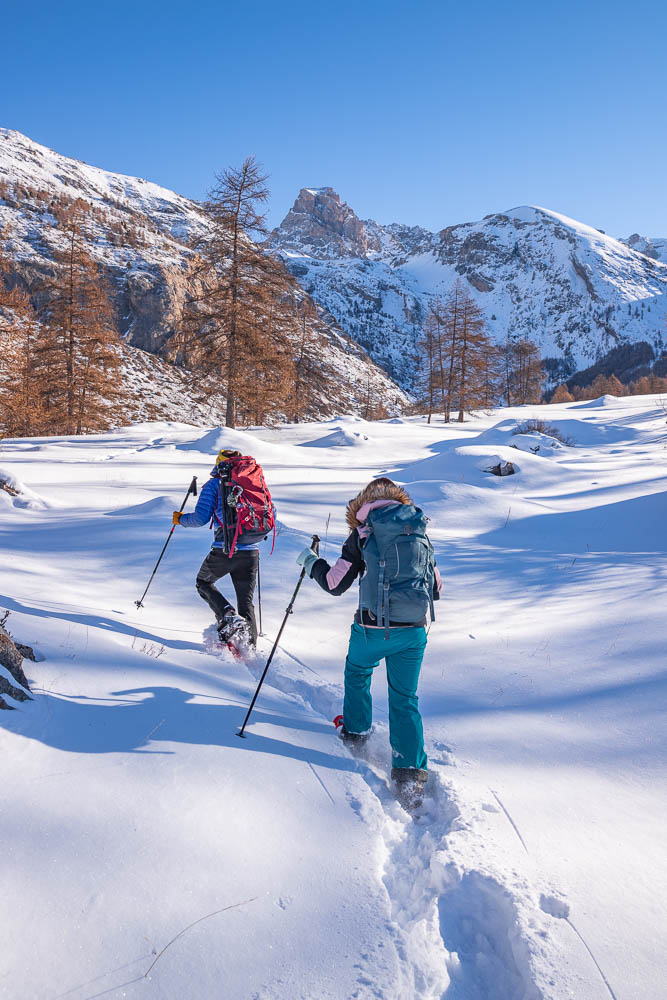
[650,246]
[322,225]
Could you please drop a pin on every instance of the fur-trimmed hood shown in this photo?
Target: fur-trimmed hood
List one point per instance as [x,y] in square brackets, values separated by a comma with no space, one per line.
[377,489]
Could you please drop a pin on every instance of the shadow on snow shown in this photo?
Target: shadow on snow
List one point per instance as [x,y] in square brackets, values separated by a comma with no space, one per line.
[166,715]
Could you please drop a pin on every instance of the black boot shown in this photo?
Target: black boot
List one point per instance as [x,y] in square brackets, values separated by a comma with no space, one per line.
[355,742]
[409,783]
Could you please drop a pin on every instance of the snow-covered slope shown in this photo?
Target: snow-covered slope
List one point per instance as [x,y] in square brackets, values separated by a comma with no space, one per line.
[137,231]
[149,853]
[572,289]
[32,165]
[155,390]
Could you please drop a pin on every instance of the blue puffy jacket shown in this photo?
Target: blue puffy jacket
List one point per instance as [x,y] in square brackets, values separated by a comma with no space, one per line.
[210,503]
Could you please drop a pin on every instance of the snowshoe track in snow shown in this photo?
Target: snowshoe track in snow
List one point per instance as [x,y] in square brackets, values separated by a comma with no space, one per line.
[456,930]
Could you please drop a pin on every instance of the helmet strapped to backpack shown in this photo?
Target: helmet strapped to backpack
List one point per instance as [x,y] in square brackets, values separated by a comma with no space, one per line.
[400,565]
[244,502]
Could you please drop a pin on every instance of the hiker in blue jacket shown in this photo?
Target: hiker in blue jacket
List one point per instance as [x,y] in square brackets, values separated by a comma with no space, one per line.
[389,551]
[240,561]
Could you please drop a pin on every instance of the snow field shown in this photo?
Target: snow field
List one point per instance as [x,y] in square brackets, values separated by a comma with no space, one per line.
[134,815]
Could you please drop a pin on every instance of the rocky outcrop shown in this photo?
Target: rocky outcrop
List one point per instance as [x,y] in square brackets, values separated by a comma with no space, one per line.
[326,226]
[651,247]
[12,661]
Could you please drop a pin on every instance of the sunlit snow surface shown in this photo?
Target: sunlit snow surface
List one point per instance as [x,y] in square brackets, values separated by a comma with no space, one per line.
[147,852]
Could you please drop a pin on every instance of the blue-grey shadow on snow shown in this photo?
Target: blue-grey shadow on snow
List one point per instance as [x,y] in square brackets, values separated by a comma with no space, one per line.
[166,715]
[622,694]
[633,525]
[97,621]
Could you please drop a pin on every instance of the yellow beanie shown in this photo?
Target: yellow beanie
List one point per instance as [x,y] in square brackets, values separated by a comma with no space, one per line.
[226,453]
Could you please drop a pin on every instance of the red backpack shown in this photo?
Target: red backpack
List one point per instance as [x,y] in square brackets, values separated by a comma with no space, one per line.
[248,502]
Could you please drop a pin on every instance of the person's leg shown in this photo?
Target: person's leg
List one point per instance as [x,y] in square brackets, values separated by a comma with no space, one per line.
[215,566]
[405,651]
[361,660]
[244,565]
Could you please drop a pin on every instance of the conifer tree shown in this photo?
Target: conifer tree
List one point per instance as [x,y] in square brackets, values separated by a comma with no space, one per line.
[22,374]
[562,394]
[428,377]
[600,386]
[491,373]
[642,386]
[236,286]
[523,374]
[461,366]
[80,349]
[264,368]
[474,346]
[306,372]
[615,386]
[449,339]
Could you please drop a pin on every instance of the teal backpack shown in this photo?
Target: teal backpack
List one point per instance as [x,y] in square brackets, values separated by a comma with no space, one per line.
[400,564]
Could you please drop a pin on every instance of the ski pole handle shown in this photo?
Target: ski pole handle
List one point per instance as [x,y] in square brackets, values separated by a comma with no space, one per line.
[192,488]
[315,544]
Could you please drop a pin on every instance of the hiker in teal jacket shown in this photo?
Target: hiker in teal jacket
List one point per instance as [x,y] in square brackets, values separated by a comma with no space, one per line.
[390,553]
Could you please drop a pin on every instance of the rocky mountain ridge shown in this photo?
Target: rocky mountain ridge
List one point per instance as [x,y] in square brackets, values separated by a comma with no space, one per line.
[574,290]
[650,246]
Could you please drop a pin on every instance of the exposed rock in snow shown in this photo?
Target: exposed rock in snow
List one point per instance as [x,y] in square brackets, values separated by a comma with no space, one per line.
[320,220]
[501,468]
[22,495]
[11,660]
[649,246]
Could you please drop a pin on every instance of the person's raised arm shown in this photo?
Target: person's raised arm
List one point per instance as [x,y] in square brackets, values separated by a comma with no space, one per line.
[338,578]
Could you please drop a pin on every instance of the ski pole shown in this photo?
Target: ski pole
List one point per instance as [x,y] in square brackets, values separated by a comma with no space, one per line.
[259,598]
[192,488]
[315,546]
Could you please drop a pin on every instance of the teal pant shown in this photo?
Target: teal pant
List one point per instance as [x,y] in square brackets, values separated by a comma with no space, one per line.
[403,652]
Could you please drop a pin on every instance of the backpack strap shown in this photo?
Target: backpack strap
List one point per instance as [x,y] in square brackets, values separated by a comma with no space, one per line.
[430,592]
[223,522]
[214,515]
[383,591]
[235,538]
[380,607]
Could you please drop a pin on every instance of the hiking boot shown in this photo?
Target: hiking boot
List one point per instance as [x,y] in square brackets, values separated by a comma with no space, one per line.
[355,742]
[232,626]
[409,783]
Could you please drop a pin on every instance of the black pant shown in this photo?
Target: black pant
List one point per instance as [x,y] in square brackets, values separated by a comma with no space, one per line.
[242,568]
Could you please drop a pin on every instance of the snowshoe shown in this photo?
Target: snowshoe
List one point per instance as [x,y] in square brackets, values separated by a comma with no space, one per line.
[232,628]
[233,633]
[355,742]
[409,783]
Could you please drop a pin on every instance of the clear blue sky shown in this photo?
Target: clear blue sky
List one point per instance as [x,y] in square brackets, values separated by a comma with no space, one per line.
[428,112]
